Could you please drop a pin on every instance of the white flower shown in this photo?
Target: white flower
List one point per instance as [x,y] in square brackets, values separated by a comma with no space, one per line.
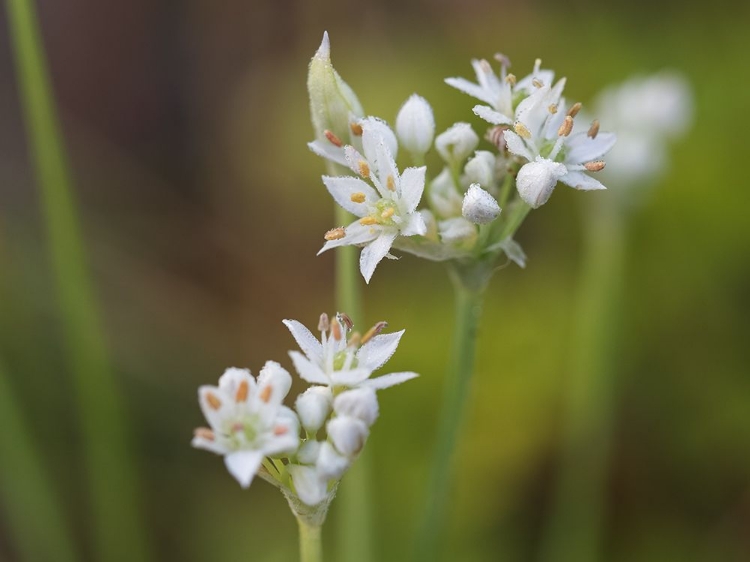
[500,93]
[331,464]
[458,231]
[479,206]
[348,434]
[333,361]
[310,486]
[543,137]
[457,143]
[444,196]
[387,211]
[313,407]
[415,125]
[481,169]
[247,419]
[360,403]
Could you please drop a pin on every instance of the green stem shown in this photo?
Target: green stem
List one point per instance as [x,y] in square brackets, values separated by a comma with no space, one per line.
[575,526]
[31,504]
[109,467]
[469,289]
[355,492]
[310,543]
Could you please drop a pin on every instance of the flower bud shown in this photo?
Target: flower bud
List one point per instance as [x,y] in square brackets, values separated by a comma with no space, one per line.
[310,487]
[457,143]
[444,197]
[536,181]
[347,434]
[332,102]
[415,125]
[430,223]
[481,168]
[313,407]
[360,403]
[331,465]
[458,231]
[309,451]
[479,206]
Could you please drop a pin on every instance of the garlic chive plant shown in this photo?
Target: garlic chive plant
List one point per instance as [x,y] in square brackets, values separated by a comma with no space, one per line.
[465,212]
[303,451]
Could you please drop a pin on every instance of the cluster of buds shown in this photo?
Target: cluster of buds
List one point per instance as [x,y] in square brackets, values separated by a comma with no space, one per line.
[534,142]
[306,450]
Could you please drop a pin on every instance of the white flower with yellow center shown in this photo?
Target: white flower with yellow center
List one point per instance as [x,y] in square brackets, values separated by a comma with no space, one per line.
[385,211]
[339,361]
[247,419]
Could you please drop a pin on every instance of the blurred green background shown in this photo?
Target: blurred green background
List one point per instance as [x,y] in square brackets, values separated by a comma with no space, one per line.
[202,209]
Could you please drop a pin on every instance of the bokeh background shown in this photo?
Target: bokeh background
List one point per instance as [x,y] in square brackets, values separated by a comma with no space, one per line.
[186,126]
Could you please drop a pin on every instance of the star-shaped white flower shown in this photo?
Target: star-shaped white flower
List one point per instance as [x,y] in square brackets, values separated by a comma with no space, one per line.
[387,210]
[336,361]
[248,421]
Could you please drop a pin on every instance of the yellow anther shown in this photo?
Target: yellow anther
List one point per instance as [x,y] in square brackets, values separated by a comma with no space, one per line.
[323,323]
[552,108]
[336,331]
[242,391]
[594,129]
[575,108]
[374,331]
[388,213]
[390,183]
[355,340]
[213,401]
[566,127]
[357,197]
[335,234]
[368,221]
[356,129]
[265,394]
[511,79]
[333,139]
[537,83]
[364,169]
[595,166]
[522,130]
[204,433]
[343,317]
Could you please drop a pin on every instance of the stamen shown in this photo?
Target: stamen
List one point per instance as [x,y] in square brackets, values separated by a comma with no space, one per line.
[552,108]
[356,129]
[537,83]
[343,317]
[522,131]
[204,433]
[486,68]
[537,65]
[511,79]
[323,323]
[242,390]
[503,60]
[594,129]
[333,139]
[388,213]
[595,166]
[357,197]
[374,331]
[335,233]
[336,331]
[566,127]
[355,340]
[364,169]
[265,394]
[497,137]
[280,430]
[575,108]
[390,183]
[213,401]
[368,221]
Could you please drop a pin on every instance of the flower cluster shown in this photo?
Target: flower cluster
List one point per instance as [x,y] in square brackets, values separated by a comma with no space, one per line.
[534,141]
[306,450]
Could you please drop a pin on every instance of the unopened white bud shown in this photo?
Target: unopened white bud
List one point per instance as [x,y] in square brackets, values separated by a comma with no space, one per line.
[308,452]
[457,143]
[415,125]
[536,181]
[444,197]
[479,206]
[458,231]
[313,407]
[310,487]
[331,464]
[431,232]
[347,434]
[360,403]
[481,168]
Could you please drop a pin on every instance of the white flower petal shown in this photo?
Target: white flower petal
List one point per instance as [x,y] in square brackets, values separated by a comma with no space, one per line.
[355,234]
[375,131]
[472,89]
[376,352]
[308,343]
[536,181]
[350,377]
[278,379]
[313,407]
[581,181]
[307,370]
[331,464]
[491,116]
[214,404]
[243,465]
[309,452]
[230,381]
[582,148]
[310,487]
[360,403]
[342,189]
[415,125]
[347,434]
[412,186]
[329,151]
[389,380]
[212,445]
[415,225]
[516,145]
[375,251]
[283,435]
